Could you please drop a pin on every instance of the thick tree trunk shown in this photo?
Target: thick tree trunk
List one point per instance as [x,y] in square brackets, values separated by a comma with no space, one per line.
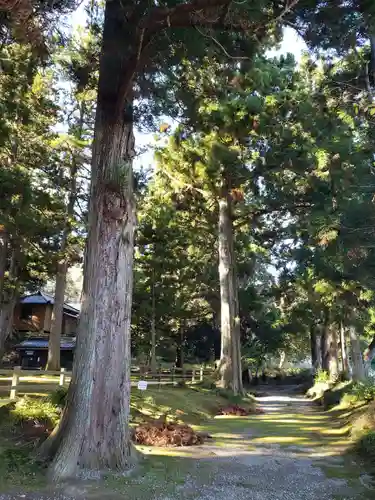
[94,432]
[358,367]
[230,360]
[344,355]
[153,328]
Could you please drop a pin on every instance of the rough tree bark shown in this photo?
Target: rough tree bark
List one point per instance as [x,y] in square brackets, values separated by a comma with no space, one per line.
[358,367]
[230,359]
[94,432]
[53,361]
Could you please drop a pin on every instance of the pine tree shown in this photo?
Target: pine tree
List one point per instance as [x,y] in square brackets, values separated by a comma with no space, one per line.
[75,159]
[30,214]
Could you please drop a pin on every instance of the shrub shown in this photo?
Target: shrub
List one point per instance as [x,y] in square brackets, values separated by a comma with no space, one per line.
[36,410]
[363,391]
[366,445]
[363,422]
[321,376]
[334,395]
[58,397]
[348,400]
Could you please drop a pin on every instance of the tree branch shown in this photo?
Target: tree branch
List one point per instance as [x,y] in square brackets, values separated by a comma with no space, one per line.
[237,58]
[209,13]
[268,211]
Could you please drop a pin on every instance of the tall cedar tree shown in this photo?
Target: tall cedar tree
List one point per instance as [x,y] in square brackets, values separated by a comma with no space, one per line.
[94,435]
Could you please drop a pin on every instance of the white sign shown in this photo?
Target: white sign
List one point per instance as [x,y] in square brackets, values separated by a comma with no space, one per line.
[142,385]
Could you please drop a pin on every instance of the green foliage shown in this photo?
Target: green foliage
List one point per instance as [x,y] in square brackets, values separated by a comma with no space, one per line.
[322,376]
[19,467]
[16,460]
[363,391]
[365,446]
[38,409]
[58,397]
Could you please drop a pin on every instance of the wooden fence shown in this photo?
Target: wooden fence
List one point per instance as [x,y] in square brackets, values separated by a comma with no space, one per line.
[18,381]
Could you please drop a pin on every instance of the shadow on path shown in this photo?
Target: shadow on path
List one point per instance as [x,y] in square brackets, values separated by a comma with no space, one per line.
[293,451]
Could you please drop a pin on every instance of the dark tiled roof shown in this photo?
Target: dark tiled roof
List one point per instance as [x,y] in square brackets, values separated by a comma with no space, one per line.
[66,343]
[45,298]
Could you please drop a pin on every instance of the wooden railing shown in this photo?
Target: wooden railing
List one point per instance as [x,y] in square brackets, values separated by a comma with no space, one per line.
[39,381]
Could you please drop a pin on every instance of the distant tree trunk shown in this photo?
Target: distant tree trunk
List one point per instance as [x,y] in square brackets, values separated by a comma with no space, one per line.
[9,300]
[3,260]
[180,347]
[344,355]
[282,360]
[94,432]
[316,352]
[371,348]
[230,360]
[323,347]
[358,366]
[153,327]
[237,359]
[53,361]
[329,351]
[6,321]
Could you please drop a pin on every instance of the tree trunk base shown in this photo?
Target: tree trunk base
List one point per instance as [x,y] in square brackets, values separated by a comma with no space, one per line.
[61,470]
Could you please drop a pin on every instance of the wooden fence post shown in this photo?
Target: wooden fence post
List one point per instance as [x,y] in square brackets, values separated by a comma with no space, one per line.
[193,376]
[62,377]
[201,374]
[15,380]
[172,374]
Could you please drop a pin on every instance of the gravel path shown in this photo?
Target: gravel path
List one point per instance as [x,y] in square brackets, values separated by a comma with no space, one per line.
[291,452]
[280,469]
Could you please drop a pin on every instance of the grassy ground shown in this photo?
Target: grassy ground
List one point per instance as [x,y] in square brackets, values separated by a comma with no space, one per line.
[293,432]
[192,405]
